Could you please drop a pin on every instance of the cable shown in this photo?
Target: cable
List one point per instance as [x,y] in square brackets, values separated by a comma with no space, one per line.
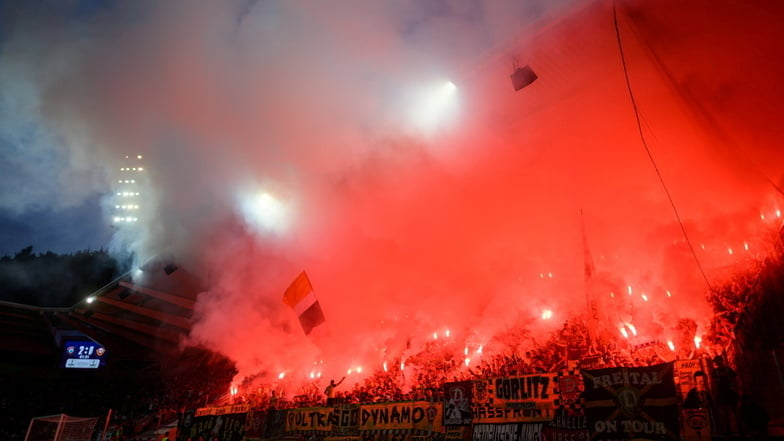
[648,150]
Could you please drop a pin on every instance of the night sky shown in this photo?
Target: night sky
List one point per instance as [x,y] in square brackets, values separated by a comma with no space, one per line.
[381,147]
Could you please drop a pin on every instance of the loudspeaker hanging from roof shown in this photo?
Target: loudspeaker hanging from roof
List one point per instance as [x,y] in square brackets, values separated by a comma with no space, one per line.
[522,77]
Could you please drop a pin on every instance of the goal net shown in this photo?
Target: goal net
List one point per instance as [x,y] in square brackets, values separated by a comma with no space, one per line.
[61,428]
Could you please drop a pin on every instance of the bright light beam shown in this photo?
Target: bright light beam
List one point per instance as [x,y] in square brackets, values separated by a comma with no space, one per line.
[264,212]
[435,106]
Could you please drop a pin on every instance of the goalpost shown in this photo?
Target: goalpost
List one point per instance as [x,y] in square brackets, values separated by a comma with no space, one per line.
[61,428]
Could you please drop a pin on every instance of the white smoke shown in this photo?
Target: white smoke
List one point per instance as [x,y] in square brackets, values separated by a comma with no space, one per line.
[278,137]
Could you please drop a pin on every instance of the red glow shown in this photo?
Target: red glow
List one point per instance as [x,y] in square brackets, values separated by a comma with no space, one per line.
[479,225]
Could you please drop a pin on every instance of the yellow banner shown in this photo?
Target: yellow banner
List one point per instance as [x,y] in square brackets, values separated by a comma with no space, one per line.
[204,411]
[522,392]
[223,410]
[518,399]
[421,415]
[311,418]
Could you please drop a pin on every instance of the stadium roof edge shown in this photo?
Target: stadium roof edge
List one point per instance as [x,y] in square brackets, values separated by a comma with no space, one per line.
[36,308]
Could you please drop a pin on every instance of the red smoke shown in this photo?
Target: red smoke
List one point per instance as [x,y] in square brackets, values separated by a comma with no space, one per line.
[474,227]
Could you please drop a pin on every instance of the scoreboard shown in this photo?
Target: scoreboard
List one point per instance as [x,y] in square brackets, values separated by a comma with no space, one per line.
[83,354]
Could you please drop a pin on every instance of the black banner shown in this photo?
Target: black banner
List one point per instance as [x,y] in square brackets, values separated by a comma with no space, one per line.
[507,432]
[457,403]
[255,424]
[566,428]
[185,424]
[227,427]
[631,403]
[274,424]
[400,435]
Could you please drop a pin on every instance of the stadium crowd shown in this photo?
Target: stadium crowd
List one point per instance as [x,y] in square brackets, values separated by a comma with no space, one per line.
[420,376]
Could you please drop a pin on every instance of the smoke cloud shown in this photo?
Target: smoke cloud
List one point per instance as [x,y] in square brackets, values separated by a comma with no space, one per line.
[279,137]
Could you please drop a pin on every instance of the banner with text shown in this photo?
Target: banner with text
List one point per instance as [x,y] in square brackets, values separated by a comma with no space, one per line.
[421,415]
[342,438]
[525,398]
[458,433]
[225,427]
[631,403]
[566,428]
[223,410]
[685,371]
[337,420]
[507,432]
[400,435]
[486,413]
[536,391]
[309,419]
[345,419]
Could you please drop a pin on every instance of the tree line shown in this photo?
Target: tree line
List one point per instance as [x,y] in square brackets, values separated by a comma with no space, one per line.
[57,280]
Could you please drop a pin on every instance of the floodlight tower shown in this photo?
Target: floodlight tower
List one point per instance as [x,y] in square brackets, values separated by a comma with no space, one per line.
[128,191]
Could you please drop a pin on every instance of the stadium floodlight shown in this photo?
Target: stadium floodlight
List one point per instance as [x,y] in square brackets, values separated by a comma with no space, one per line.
[435,106]
[265,212]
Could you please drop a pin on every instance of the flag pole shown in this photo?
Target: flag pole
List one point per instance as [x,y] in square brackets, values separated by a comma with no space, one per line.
[106,425]
[589,270]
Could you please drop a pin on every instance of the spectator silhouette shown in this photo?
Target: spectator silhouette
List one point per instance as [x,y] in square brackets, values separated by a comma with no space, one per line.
[330,391]
[698,397]
[725,383]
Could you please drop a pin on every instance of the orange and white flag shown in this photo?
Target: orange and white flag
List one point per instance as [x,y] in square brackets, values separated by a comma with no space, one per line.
[300,297]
